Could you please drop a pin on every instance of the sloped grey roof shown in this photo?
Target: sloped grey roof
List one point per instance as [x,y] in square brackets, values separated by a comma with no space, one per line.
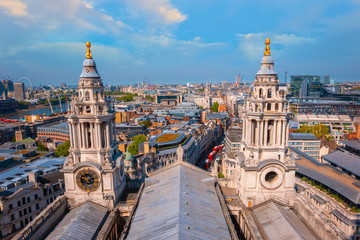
[344,160]
[181,203]
[280,222]
[339,187]
[80,223]
[302,136]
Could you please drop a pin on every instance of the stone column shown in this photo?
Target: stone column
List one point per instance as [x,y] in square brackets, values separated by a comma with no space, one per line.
[251,132]
[283,132]
[107,135]
[92,140]
[98,130]
[279,133]
[78,135]
[244,128]
[84,135]
[257,133]
[71,133]
[266,133]
[287,133]
[274,133]
[261,136]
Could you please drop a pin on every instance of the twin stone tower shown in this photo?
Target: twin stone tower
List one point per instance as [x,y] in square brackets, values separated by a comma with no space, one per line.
[94,170]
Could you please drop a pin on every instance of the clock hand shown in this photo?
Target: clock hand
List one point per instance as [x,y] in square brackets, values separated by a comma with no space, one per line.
[85,178]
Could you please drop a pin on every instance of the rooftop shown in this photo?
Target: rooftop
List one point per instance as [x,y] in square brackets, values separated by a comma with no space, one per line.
[60,126]
[302,136]
[20,172]
[80,223]
[322,118]
[331,177]
[352,144]
[280,222]
[179,202]
[344,160]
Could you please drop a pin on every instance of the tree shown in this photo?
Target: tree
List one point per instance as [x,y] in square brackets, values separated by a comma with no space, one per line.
[134,147]
[215,107]
[220,175]
[41,147]
[319,130]
[63,150]
[13,139]
[146,123]
[201,89]
[201,107]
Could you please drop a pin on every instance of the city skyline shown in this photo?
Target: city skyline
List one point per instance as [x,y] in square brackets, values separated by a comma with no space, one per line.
[175,41]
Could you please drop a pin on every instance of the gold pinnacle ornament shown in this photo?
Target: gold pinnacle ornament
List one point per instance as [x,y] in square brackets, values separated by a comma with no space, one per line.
[267,48]
[88,51]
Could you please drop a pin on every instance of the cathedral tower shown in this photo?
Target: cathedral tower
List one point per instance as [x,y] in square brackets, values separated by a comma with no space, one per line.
[93,170]
[266,169]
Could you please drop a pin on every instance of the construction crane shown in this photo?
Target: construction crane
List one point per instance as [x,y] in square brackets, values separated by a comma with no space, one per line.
[67,103]
[61,110]
[52,110]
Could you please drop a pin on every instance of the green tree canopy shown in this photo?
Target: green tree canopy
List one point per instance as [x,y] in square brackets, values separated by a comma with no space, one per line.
[41,147]
[134,147]
[63,150]
[319,130]
[215,107]
[201,107]
[129,97]
[146,123]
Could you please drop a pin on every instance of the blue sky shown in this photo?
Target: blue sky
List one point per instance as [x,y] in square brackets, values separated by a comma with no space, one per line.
[177,41]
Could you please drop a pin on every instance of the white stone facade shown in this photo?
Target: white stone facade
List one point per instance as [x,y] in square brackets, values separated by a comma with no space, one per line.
[266,170]
[94,157]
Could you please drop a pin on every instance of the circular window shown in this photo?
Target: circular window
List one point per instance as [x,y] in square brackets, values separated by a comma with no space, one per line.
[271,177]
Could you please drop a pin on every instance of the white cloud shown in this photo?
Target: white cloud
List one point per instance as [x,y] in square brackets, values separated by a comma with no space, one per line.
[158,11]
[252,44]
[169,42]
[290,39]
[47,14]
[13,7]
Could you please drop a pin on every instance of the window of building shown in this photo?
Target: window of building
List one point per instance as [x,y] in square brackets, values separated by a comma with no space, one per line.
[19,203]
[25,211]
[28,199]
[20,213]
[13,228]
[23,200]
[10,206]
[12,217]
[37,206]
[36,196]
[30,209]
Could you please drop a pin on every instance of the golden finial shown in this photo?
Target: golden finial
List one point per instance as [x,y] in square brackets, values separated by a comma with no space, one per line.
[88,51]
[267,48]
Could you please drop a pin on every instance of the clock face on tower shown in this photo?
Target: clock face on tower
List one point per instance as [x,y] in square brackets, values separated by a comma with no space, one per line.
[88,180]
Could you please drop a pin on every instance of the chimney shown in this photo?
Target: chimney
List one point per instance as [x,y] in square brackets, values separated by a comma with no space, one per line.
[32,178]
[146,147]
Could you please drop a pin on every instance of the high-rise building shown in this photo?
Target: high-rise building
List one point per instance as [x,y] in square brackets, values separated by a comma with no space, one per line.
[300,85]
[19,91]
[238,79]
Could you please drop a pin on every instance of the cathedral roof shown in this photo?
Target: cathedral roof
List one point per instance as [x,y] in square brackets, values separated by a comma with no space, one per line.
[82,222]
[179,203]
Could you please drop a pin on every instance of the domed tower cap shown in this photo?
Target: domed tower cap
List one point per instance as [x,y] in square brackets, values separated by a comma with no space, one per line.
[267,48]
